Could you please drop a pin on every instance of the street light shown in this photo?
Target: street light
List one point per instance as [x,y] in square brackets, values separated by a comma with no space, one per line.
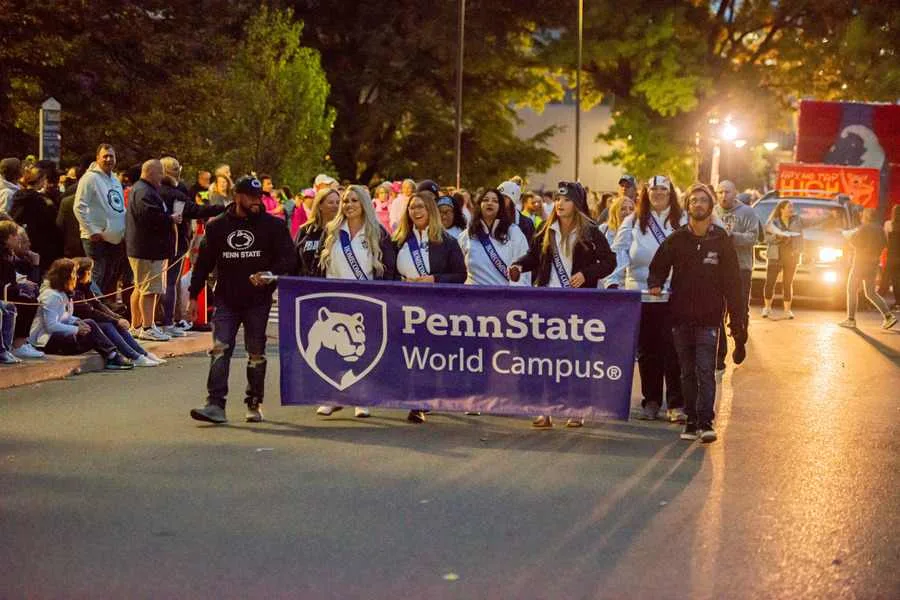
[729,132]
[770,146]
[740,143]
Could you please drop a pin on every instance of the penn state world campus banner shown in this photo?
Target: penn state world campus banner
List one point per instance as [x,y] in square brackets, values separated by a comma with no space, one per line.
[516,351]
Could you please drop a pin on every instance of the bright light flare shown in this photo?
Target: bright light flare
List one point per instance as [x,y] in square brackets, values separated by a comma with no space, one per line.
[830,277]
[729,132]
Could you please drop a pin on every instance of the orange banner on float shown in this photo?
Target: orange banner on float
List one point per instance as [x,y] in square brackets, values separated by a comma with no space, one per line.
[860,183]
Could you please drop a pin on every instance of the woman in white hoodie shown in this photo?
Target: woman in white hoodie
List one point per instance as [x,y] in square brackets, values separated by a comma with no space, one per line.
[56,329]
[657,216]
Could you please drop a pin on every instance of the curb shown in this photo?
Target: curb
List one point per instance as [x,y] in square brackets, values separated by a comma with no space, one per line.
[59,367]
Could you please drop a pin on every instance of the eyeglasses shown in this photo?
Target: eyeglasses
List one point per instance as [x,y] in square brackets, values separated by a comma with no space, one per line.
[696,199]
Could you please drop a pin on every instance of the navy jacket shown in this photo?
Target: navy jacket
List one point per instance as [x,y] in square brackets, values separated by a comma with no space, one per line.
[149,229]
[446,260]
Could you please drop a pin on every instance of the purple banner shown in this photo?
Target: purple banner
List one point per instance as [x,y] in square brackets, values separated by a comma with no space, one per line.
[500,350]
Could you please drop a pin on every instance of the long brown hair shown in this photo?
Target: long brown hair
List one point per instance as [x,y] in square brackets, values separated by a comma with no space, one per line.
[60,273]
[643,208]
[435,229]
[582,226]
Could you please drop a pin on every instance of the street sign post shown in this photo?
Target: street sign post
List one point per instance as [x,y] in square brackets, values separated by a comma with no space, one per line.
[50,137]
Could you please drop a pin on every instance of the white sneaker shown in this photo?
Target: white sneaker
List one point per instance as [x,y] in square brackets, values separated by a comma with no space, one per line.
[174,332]
[145,361]
[327,410]
[8,358]
[156,359]
[361,412]
[889,321]
[765,312]
[788,314]
[184,325]
[26,350]
[152,335]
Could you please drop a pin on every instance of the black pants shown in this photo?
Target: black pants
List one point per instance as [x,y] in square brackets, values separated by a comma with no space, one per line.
[657,360]
[68,345]
[722,346]
[26,313]
[787,265]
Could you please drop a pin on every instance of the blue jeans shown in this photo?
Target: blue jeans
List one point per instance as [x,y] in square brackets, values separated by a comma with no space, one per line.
[225,324]
[108,260]
[696,348]
[7,325]
[125,344]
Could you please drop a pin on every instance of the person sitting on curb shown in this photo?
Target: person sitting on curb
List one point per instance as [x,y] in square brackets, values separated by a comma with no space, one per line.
[57,330]
[88,306]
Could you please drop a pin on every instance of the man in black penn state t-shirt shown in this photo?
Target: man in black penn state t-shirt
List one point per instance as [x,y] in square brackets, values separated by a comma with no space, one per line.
[244,245]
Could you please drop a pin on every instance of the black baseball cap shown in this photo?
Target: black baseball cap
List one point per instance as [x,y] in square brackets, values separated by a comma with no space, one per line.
[248,185]
[575,192]
[429,186]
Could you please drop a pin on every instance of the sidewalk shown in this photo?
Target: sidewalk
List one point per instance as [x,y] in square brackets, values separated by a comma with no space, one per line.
[58,367]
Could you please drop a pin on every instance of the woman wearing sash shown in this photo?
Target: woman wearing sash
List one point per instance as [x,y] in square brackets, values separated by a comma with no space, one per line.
[568,251]
[324,208]
[452,219]
[491,243]
[355,246]
[425,252]
[657,216]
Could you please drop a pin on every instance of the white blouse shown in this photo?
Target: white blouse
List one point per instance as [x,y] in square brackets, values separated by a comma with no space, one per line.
[566,252]
[405,265]
[339,268]
[481,271]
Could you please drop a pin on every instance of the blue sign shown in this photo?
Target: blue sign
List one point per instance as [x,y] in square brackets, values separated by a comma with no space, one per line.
[500,350]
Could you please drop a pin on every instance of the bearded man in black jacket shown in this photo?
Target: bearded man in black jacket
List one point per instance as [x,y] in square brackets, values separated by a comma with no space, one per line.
[705,280]
[246,246]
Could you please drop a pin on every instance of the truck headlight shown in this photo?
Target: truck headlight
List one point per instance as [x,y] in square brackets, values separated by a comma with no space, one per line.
[828,254]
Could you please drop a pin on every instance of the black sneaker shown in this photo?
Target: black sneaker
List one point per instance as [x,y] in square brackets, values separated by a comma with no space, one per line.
[690,432]
[739,354]
[117,362]
[211,413]
[416,416]
[254,412]
[708,434]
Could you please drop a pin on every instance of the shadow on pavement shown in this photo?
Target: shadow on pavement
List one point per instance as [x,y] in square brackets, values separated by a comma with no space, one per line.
[888,352]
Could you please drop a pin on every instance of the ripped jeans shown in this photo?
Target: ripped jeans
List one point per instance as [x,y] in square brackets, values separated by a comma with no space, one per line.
[225,324]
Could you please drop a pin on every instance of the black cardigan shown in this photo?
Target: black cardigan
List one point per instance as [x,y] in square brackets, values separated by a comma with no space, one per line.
[446,260]
[591,257]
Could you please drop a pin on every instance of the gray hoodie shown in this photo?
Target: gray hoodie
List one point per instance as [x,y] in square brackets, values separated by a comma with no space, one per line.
[743,225]
[100,205]
[7,191]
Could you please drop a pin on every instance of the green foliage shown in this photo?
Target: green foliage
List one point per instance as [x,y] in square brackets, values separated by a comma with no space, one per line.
[672,67]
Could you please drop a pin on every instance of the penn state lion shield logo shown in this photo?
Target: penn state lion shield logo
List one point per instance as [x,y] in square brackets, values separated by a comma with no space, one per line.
[341,337]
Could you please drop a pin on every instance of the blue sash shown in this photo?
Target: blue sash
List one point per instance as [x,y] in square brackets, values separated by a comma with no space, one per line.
[416,254]
[492,254]
[656,230]
[351,257]
[560,267]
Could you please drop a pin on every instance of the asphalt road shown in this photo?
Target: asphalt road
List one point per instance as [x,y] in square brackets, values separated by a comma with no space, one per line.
[109,490]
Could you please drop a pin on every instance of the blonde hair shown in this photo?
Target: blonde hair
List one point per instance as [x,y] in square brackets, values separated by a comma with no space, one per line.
[435,229]
[372,230]
[615,212]
[315,215]
[582,224]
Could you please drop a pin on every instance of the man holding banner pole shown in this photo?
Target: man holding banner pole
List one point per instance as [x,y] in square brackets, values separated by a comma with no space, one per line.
[247,247]
[705,280]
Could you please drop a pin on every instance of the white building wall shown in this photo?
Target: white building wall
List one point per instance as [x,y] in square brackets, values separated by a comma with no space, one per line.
[601,176]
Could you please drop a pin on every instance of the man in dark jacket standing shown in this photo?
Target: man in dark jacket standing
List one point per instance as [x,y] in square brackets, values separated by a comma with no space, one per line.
[705,279]
[149,240]
[246,246]
[178,202]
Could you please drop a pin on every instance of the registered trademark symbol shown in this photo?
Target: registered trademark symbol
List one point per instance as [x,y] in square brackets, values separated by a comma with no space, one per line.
[614,372]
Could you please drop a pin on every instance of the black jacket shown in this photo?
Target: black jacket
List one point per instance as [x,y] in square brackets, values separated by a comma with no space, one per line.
[237,248]
[526,225]
[68,225]
[309,237]
[591,257]
[705,277]
[149,229]
[87,306]
[172,193]
[37,214]
[446,260]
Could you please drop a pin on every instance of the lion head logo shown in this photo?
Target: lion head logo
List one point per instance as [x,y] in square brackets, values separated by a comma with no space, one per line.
[240,239]
[332,335]
[344,334]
